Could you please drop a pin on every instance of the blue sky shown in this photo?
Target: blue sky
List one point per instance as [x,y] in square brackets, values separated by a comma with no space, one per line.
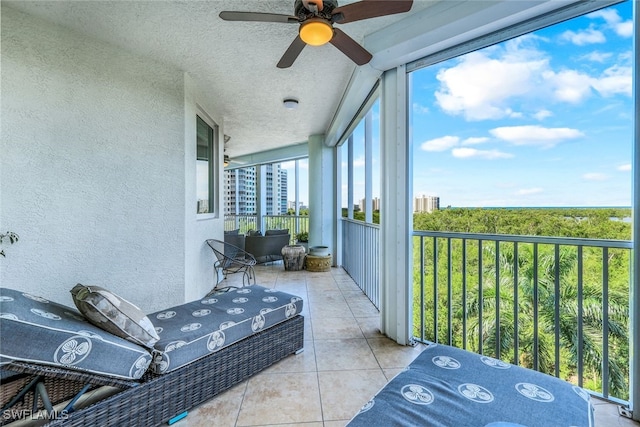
[541,120]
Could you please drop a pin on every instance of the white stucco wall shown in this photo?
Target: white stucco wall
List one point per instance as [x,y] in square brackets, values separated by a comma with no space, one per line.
[93,170]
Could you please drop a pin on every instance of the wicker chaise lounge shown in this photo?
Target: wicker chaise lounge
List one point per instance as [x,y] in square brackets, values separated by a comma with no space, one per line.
[223,356]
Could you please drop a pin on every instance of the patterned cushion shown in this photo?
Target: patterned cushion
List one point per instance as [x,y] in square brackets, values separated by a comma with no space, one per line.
[114,314]
[447,386]
[196,329]
[33,329]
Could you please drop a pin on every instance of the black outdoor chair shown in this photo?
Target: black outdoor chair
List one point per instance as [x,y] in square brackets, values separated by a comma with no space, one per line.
[232,259]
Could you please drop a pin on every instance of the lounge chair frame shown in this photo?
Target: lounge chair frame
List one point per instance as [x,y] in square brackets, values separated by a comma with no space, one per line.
[158,398]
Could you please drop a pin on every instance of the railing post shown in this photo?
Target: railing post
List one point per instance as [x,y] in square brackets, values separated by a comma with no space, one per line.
[516,306]
[464,294]
[605,322]
[556,309]
[634,317]
[536,343]
[480,300]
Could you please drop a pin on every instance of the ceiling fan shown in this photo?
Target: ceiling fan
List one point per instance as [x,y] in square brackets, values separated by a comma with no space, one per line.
[316,19]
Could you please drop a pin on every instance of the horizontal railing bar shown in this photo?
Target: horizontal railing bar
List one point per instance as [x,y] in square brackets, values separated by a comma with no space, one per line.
[571,241]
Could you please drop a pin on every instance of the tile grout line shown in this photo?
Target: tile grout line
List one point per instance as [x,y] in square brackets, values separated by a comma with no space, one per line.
[246,386]
[315,358]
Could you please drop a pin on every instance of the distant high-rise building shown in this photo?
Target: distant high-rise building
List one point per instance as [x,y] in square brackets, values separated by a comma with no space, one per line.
[426,203]
[240,191]
[240,186]
[284,191]
[375,204]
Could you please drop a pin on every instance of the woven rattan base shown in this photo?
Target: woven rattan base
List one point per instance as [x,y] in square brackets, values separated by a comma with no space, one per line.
[159,398]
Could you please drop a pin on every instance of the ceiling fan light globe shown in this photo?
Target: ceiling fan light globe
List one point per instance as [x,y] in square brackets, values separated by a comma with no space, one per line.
[316,32]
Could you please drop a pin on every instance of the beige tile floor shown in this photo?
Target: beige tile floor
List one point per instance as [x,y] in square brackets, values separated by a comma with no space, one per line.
[345,361]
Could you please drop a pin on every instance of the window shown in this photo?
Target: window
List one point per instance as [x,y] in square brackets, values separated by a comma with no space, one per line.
[364,189]
[205,166]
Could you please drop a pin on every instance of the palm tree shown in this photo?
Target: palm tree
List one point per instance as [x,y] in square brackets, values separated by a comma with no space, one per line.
[541,294]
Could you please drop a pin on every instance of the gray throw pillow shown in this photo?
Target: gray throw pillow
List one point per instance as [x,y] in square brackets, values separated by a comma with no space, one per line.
[114,314]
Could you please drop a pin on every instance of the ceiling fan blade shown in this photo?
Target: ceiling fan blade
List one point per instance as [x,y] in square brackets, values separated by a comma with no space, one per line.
[366,9]
[291,53]
[350,47]
[259,17]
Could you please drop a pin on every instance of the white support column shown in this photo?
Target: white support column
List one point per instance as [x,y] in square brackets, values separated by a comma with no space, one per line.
[368,168]
[261,195]
[350,177]
[322,195]
[396,226]
[337,206]
[634,332]
[297,198]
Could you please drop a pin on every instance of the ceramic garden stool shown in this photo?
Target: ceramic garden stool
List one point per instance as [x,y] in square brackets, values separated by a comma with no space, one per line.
[318,263]
[293,256]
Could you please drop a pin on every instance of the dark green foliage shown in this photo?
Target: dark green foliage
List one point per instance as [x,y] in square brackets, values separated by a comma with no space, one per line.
[476,289]
[360,215]
[592,223]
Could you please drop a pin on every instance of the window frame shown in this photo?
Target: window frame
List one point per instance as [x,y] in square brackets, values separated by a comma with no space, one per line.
[213,162]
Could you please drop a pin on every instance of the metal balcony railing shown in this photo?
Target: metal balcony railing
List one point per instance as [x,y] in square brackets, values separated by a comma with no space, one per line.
[360,256]
[556,305]
[294,223]
[242,222]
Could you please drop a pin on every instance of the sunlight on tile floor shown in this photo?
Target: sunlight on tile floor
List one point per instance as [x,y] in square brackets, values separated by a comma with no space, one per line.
[345,362]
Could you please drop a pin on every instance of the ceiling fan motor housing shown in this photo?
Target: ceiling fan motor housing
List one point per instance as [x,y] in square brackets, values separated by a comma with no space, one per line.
[327,8]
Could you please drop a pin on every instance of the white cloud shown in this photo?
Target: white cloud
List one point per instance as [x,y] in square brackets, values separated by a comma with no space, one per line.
[543,114]
[479,86]
[535,135]
[597,56]
[624,29]
[440,144]
[614,80]
[609,15]
[584,37]
[624,168]
[483,85]
[613,20]
[595,176]
[569,85]
[475,140]
[573,86]
[466,153]
[527,191]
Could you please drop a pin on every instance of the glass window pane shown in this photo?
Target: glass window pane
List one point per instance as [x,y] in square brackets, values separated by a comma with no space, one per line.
[205,166]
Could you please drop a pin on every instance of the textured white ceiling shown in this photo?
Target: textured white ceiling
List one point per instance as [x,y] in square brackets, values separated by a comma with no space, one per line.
[233,63]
